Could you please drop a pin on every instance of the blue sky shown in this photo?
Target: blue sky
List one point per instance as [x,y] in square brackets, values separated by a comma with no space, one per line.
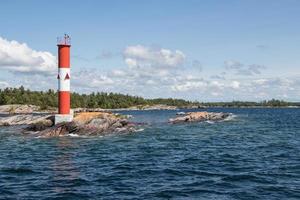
[200,50]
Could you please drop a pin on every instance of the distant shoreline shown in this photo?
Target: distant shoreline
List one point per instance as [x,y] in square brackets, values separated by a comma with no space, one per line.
[27,109]
[48,100]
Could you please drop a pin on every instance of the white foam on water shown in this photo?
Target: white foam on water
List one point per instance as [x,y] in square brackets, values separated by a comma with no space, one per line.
[139,130]
[77,136]
[230,117]
[73,135]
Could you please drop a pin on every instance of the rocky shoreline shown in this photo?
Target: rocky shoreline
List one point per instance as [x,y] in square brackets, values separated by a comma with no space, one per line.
[93,123]
[30,109]
[22,109]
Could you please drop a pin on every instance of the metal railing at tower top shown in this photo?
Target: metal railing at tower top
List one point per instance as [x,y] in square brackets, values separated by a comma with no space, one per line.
[65,40]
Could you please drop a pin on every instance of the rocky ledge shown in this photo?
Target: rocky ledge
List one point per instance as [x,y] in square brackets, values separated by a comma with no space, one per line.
[199,116]
[18,109]
[26,119]
[152,107]
[24,109]
[87,123]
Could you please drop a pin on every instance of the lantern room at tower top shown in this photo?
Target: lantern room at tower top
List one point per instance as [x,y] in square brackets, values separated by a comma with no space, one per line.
[65,40]
[64,44]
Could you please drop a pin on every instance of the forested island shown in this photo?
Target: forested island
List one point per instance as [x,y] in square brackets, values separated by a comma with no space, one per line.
[48,99]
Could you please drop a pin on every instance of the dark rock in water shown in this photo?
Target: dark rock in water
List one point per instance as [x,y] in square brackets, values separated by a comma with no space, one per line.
[57,130]
[199,116]
[41,124]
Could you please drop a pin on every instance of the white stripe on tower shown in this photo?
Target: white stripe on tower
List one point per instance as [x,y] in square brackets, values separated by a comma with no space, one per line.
[64,79]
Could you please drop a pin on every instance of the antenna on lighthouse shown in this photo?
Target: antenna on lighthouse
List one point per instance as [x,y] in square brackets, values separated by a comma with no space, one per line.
[65,40]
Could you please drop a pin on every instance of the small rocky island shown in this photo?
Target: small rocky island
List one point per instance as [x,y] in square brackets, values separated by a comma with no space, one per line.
[199,116]
[87,123]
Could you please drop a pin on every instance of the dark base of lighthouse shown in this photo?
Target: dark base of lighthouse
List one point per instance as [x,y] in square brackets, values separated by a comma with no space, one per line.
[59,118]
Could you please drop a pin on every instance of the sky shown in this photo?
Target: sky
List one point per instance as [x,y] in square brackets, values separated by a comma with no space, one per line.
[203,50]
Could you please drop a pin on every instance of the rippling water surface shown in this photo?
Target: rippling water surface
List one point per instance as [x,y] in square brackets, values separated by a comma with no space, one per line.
[256,155]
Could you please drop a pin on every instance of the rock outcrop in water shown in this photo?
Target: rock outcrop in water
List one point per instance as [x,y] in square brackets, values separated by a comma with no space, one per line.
[24,109]
[89,123]
[29,119]
[153,107]
[18,109]
[93,123]
[199,116]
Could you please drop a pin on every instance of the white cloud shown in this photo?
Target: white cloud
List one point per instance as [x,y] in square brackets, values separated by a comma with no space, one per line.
[18,57]
[4,84]
[216,94]
[235,84]
[187,85]
[152,57]
[277,83]
[131,62]
[217,84]
[149,71]
[118,73]
[92,79]
[260,81]
[100,81]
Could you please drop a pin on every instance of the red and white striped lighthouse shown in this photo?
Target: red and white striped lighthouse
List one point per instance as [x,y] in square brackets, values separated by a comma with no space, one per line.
[63,76]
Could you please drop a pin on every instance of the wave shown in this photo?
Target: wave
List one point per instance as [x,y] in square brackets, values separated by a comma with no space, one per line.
[139,130]
[73,135]
[231,117]
[17,170]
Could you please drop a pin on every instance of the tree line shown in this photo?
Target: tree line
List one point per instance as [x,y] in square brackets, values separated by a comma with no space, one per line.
[48,99]
[265,103]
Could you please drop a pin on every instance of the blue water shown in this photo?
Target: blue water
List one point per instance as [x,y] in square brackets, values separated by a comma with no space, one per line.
[256,155]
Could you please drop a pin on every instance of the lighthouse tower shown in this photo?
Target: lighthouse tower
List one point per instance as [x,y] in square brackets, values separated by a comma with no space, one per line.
[63,76]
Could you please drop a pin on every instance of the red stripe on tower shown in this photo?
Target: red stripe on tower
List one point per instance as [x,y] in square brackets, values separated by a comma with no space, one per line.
[63,76]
